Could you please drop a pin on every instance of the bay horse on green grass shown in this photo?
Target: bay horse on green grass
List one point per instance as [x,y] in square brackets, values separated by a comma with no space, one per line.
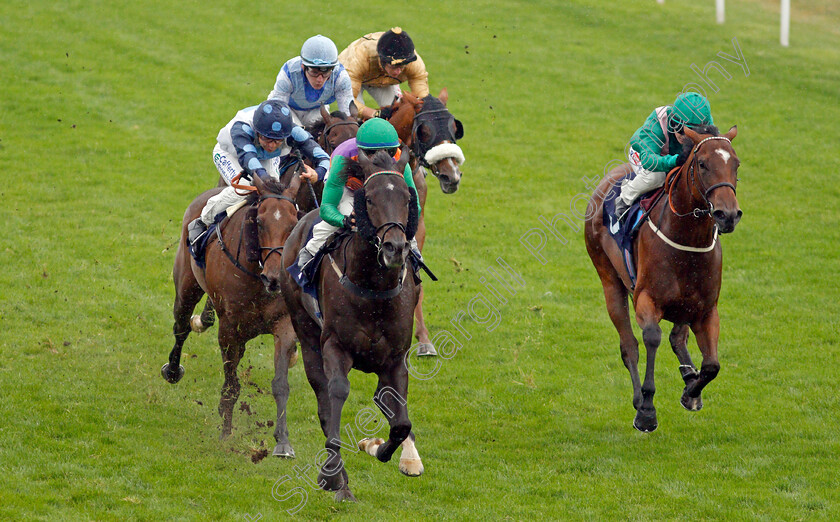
[678,261]
[367,298]
[241,277]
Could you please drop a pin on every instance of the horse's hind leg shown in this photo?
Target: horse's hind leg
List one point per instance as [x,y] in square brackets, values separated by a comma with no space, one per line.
[187,294]
[420,331]
[200,323]
[616,296]
[232,348]
[706,331]
[648,318]
[284,349]
[679,342]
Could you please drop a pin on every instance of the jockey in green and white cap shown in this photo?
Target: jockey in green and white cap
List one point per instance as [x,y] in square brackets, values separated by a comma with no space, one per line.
[655,149]
[337,200]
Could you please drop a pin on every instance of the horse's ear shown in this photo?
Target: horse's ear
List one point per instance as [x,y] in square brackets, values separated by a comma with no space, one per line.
[364,160]
[733,131]
[459,130]
[294,186]
[258,183]
[443,96]
[404,157]
[325,114]
[412,99]
[354,111]
[695,137]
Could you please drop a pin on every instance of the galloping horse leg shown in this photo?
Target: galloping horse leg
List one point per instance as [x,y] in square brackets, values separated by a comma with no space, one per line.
[706,331]
[410,463]
[187,294]
[391,397]
[337,364]
[284,349]
[615,294]
[679,342]
[232,348]
[648,317]
[200,323]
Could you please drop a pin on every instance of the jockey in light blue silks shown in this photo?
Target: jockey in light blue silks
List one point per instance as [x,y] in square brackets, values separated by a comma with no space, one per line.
[257,142]
[313,79]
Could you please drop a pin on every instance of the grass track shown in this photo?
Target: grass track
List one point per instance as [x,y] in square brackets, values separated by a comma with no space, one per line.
[107,119]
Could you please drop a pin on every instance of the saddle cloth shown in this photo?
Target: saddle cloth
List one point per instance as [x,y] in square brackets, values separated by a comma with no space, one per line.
[625,232]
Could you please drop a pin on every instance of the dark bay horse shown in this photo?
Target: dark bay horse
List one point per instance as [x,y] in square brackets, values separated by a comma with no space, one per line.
[367,299]
[244,289]
[678,261]
[429,129]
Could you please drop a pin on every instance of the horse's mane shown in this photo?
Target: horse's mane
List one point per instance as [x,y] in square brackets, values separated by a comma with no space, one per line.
[272,186]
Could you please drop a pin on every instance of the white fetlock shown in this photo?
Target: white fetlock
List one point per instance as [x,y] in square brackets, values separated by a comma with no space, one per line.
[293,359]
[370,446]
[196,325]
[410,463]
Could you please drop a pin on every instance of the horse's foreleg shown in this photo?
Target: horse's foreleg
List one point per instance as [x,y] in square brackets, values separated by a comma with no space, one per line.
[706,331]
[679,343]
[232,350]
[337,364]
[410,463]
[392,397]
[648,317]
[284,348]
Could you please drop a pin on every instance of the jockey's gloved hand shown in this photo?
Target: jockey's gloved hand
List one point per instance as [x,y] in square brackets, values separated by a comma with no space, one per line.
[683,155]
[348,222]
[385,113]
[262,174]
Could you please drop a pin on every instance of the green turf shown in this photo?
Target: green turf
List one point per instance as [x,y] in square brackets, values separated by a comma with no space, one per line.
[108,115]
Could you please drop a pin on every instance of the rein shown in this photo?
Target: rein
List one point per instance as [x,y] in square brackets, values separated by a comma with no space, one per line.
[691,167]
[271,250]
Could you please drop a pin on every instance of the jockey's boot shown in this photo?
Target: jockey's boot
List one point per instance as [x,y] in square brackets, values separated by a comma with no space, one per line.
[621,209]
[304,258]
[195,230]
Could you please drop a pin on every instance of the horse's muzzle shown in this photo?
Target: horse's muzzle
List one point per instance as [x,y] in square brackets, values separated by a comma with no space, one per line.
[272,284]
[394,253]
[726,220]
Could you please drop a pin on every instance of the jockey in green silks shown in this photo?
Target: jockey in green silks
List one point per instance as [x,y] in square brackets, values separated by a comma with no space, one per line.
[337,200]
[655,147]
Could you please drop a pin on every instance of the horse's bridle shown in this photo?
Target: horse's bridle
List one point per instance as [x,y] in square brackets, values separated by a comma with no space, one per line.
[272,250]
[696,182]
[429,116]
[328,148]
[377,240]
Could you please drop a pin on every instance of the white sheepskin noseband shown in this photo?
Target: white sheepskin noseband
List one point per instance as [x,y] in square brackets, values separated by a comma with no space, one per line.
[443,151]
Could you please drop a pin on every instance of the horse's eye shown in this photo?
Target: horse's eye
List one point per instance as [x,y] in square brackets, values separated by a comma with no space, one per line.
[701,164]
[368,201]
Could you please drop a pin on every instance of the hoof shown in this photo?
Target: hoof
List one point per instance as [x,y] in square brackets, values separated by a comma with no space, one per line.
[196,325]
[293,359]
[284,450]
[171,376]
[344,495]
[370,446]
[426,350]
[411,467]
[645,421]
[691,403]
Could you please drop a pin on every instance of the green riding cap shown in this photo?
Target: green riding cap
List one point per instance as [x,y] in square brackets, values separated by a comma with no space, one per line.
[692,109]
[377,133]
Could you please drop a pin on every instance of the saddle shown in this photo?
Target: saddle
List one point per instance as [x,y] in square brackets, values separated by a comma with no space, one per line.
[249,241]
[624,232]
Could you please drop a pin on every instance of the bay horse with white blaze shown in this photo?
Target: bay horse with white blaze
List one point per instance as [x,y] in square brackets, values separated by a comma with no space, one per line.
[242,280]
[678,260]
[367,296]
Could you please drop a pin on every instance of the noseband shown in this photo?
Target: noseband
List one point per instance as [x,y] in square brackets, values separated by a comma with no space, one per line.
[272,250]
[328,148]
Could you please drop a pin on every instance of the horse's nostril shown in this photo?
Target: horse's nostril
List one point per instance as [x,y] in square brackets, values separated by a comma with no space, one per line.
[739,214]
[719,215]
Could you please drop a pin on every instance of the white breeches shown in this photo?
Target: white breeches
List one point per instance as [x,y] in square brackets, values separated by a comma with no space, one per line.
[645,180]
[322,230]
[307,119]
[229,167]
[383,95]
